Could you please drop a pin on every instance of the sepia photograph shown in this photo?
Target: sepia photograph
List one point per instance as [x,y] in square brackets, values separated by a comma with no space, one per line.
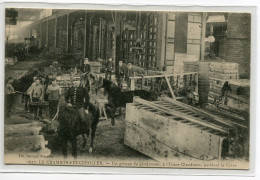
[124,88]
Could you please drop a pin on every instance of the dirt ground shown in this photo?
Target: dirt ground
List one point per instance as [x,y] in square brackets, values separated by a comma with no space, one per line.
[108,143]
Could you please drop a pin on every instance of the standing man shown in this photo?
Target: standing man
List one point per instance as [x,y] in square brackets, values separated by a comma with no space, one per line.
[37,95]
[54,93]
[78,97]
[85,70]
[109,68]
[129,73]
[9,96]
[120,73]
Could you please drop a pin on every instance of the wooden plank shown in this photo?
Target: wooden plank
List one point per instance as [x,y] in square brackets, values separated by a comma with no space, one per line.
[195,110]
[167,75]
[170,87]
[182,115]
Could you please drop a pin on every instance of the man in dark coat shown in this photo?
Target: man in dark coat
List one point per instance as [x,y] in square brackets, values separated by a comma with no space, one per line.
[129,73]
[109,68]
[120,73]
[78,97]
[85,70]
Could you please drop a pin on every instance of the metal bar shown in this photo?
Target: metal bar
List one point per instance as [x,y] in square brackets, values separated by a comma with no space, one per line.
[181,115]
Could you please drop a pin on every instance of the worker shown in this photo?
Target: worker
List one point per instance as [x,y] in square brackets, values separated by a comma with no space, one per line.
[109,68]
[9,96]
[27,100]
[128,73]
[44,86]
[120,73]
[54,93]
[78,97]
[85,70]
[37,95]
[224,91]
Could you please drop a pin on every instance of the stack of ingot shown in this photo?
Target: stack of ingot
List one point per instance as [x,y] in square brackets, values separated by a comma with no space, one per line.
[219,73]
[184,63]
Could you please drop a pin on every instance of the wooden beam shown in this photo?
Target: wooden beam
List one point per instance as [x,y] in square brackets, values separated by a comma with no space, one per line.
[163,75]
[170,87]
[203,33]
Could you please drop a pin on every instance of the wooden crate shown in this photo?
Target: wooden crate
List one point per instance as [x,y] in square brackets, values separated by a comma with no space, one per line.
[163,137]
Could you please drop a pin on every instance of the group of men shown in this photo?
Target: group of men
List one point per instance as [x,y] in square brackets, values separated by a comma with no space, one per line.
[122,73]
[76,96]
[39,92]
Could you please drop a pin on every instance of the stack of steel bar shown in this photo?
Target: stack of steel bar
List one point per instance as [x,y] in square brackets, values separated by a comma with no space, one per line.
[167,128]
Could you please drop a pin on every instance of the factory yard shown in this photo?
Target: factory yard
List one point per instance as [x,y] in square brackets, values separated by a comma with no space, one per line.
[150,89]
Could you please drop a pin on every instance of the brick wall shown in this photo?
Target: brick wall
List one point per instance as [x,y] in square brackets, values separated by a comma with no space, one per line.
[51,33]
[44,34]
[239,52]
[238,42]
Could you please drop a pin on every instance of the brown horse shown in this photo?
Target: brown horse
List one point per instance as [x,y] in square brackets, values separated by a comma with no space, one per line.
[71,126]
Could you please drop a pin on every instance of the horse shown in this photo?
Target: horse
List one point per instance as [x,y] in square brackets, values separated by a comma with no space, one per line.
[118,98]
[71,126]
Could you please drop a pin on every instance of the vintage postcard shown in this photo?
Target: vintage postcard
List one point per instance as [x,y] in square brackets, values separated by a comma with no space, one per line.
[121,88]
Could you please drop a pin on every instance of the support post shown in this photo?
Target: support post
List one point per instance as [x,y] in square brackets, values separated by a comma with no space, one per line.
[114,45]
[55,34]
[67,47]
[47,33]
[85,36]
[203,33]
[197,83]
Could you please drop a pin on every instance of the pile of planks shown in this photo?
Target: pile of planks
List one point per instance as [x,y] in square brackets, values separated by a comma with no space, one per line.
[25,139]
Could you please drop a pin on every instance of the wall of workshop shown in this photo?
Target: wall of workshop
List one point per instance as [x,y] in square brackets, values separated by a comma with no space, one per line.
[61,34]
[238,42]
[51,34]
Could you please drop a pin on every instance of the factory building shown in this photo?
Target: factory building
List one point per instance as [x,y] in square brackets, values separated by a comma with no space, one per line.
[183,79]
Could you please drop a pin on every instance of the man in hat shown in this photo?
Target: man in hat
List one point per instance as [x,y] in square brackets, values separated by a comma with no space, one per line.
[85,70]
[109,68]
[120,73]
[78,97]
